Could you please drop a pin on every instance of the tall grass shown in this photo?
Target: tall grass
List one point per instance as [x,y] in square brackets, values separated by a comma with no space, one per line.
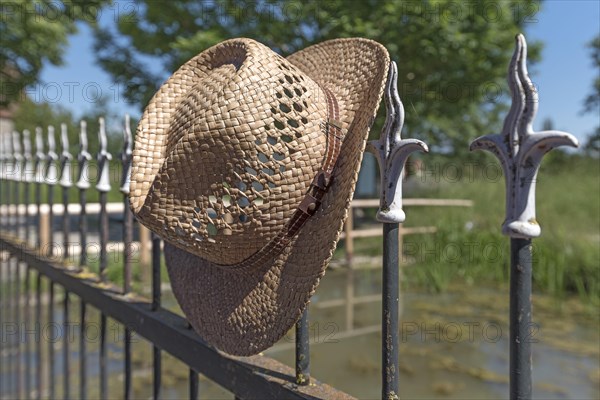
[468,247]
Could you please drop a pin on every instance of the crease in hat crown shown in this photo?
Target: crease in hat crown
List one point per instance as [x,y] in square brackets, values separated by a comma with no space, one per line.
[226,150]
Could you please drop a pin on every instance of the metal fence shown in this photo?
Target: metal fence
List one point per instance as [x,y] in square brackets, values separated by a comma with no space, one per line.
[36,251]
[39,249]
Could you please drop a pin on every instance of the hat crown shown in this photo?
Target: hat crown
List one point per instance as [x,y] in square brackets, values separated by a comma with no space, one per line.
[241,145]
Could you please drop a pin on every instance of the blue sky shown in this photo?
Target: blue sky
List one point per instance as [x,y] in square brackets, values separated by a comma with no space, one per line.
[563,77]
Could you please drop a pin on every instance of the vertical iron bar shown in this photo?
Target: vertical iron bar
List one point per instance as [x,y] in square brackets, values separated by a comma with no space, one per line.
[26,196]
[66,349]
[193,385]
[19,324]
[2,317]
[103,265]
[103,364]
[9,318]
[2,312]
[27,320]
[28,177]
[82,228]
[127,240]
[156,299]
[65,183]
[50,220]
[302,350]
[38,350]
[126,157]
[390,308]
[82,353]
[103,236]
[51,363]
[65,224]
[520,319]
[38,203]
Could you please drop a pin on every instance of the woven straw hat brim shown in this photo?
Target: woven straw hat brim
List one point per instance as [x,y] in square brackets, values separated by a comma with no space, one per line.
[243,312]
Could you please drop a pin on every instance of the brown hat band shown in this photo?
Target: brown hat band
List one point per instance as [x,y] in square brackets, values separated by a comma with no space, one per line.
[316,191]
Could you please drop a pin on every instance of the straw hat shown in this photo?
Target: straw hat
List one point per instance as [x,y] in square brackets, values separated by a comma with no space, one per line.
[245,163]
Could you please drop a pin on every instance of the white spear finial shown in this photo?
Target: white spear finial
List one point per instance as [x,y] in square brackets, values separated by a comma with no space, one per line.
[29,168]
[520,149]
[392,152]
[65,158]
[18,155]
[40,156]
[51,158]
[83,158]
[103,158]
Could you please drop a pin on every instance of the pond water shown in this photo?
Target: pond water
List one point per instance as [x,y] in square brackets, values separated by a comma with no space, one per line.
[453,346]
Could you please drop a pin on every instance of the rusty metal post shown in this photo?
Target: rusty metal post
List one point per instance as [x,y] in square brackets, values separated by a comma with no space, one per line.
[520,151]
[391,152]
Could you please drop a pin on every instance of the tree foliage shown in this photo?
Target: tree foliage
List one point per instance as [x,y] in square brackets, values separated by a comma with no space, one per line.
[592,101]
[34,33]
[452,56]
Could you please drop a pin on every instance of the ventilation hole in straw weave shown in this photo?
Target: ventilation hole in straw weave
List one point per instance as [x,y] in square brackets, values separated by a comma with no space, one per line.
[286,138]
[243,202]
[226,185]
[197,237]
[289,79]
[226,199]
[278,124]
[293,123]
[268,171]
[284,107]
[288,93]
[212,199]
[272,185]
[271,140]
[251,171]
[257,186]
[279,95]
[282,169]
[196,223]
[262,157]
[212,214]
[304,120]
[244,218]
[298,91]
[278,156]
[258,202]
[297,107]
[211,229]
[241,185]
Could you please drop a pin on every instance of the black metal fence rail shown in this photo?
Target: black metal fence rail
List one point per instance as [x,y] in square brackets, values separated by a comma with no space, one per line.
[35,268]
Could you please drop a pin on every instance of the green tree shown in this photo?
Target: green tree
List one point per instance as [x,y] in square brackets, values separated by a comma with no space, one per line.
[34,33]
[452,56]
[30,115]
[591,103]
